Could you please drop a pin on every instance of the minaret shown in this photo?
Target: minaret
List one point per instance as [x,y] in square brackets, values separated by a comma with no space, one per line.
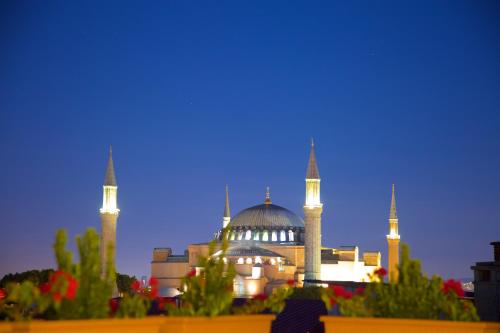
[393,240]
[227,214]
[312,213]
[109,212]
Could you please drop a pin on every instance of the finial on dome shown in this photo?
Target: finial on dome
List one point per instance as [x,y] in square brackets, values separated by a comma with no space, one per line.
[226,206]
[268,196]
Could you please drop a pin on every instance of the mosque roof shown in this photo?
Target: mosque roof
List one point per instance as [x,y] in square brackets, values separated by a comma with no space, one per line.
[250,250]
[266,215]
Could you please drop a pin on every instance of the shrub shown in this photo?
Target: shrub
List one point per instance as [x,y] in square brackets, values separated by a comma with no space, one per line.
[414,295]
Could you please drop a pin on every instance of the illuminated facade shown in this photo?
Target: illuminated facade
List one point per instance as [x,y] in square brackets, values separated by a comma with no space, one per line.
[109,214]
[269,245]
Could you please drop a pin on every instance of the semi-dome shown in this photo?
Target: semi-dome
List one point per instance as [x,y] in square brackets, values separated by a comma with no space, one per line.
[267,215]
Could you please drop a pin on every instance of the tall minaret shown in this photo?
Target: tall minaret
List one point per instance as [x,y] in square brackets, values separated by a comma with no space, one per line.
[109,212]
[312,213]
[227,214]
[393,241]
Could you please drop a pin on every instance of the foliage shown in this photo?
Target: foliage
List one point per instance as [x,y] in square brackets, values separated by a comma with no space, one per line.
[74,291]
[124,283]
[307,292]
[414,295]
[37,277]
[23,301]
[209,293]
[136,303]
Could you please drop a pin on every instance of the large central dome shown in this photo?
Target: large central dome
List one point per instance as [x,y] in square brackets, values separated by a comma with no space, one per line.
[267,216]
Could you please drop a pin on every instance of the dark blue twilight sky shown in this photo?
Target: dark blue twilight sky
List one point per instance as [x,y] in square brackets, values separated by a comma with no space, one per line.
[194,95]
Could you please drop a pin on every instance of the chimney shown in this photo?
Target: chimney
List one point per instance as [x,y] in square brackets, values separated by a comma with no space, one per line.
[496,250]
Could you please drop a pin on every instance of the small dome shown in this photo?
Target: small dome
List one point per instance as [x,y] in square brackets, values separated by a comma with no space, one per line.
[266,215]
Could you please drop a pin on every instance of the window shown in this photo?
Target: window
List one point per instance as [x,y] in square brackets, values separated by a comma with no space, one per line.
[283,236]
[240,235]
[280,267]
[249,261]
[240,261]
[290,236]
[274,236]
[265,237]
[256,236]
[232,235]
[248,235]
[258,260]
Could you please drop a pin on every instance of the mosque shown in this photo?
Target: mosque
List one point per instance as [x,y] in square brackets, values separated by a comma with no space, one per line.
[268,244]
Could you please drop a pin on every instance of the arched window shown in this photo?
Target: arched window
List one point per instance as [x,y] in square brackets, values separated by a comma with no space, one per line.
[240,261]
[248,236]
[258,260]
[283,236]
[290,236]
[249,261]
[274,236]
[265,236]
[256,236]
[232,235]
[240,235]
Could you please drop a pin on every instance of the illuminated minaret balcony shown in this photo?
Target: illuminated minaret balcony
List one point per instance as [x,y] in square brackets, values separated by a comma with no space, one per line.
[313,193]
[110,189]
[109,200]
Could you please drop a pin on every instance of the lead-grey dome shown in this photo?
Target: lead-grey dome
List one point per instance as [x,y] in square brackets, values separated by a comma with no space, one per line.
[267,215]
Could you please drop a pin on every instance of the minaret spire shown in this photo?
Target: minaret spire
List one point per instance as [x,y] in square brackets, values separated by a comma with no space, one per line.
[393,214]
[268,196]
[110,178]
[312,167]
[227,214]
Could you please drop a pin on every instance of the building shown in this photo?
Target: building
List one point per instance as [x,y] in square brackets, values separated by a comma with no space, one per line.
[487,286]
[270,244]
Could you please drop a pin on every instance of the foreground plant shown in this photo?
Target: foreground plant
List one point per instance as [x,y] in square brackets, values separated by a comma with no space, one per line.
[209,293]
[414,295]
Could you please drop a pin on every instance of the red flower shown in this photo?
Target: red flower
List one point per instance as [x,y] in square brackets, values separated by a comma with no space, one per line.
[191,273]
[153,282]
[381,272]
[72,287]
[290,282]
[453,285]
[113,305]
[339,291]
[45,288]
[57,297]
[161,303]
[260,297]
[332,301]
[3,293]
[136,285]
[359,291]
